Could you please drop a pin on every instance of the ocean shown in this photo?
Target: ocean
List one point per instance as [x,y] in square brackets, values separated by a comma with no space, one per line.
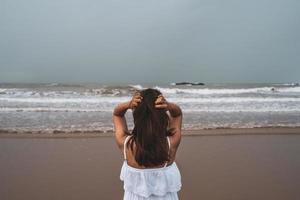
[61,108]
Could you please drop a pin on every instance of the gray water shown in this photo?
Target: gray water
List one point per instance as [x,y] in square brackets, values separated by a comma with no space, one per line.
[88,107]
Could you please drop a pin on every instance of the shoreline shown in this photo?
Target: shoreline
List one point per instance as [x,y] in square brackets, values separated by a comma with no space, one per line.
[200,132]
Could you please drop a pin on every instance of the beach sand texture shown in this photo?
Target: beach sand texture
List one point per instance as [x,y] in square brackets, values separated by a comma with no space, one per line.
[213,166]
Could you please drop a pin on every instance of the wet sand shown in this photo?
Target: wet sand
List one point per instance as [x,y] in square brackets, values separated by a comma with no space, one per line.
[213,166]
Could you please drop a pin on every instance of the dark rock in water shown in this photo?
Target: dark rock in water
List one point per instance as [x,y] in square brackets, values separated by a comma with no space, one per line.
[189,83]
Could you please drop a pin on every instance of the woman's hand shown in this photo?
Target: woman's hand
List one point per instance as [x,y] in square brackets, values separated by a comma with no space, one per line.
[161,102]
[121,108]
[136,99]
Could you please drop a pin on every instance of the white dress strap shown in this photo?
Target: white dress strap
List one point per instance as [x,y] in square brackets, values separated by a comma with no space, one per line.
[124,150]
[169,143]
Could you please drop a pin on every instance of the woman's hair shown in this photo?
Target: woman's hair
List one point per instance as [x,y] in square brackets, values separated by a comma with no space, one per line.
[150,131]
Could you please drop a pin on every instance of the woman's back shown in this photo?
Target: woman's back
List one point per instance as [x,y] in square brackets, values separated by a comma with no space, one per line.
[130,155]
[150,183]
[149,170]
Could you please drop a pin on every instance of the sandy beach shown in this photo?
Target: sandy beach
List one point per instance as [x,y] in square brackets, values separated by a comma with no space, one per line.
[74,73]
[214,164]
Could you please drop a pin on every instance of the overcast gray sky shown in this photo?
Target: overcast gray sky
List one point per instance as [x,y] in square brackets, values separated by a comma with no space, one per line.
[139,41]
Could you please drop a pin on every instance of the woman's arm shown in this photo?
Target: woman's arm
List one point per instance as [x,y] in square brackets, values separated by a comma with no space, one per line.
[119,119]
[175,118]
[120,124]
[174,109]
[175,122]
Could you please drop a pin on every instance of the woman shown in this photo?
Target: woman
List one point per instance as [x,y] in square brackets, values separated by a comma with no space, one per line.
[149,170]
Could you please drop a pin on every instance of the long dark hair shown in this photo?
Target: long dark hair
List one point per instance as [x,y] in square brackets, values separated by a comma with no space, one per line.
[151,126]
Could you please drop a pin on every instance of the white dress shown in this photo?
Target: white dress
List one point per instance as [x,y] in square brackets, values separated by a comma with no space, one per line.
[151,183]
